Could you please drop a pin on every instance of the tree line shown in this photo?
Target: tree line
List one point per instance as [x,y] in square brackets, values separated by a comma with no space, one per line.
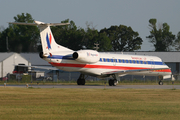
[18,38]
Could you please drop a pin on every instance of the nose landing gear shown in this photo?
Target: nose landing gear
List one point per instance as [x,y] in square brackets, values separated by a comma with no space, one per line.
[160,80]
[81,80]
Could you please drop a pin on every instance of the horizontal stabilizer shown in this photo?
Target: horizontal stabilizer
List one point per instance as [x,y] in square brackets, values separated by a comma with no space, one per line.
[40,67]
[38,23]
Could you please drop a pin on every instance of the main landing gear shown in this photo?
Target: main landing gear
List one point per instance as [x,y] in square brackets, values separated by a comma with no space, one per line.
[81,80]
[114,81]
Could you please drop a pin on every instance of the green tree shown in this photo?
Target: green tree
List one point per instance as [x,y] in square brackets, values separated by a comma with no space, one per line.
[160,36]
[90,37]
[21,38]
[68,36]
[177,42]
[123,38]
[104,42]
[77,38]
[3,44]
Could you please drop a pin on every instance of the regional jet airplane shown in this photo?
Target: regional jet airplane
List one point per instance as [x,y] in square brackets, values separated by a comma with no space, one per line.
[94,63]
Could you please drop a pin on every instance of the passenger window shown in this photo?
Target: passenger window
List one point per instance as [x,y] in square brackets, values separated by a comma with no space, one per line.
[115,60]
[100,59]
[134,61]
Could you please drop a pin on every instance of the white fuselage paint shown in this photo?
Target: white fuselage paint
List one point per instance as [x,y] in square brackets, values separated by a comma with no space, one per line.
[110,63]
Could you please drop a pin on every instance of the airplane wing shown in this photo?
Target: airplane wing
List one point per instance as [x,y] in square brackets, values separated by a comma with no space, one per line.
[131,71]
[40,67]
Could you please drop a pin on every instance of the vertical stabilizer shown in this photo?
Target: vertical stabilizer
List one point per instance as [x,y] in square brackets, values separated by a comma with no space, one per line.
[49,45]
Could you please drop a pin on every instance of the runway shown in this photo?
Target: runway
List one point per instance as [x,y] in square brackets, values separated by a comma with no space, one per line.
[101,86]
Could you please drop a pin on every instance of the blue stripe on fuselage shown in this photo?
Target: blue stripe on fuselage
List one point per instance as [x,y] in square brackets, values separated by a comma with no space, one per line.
[69,57]
[60,57]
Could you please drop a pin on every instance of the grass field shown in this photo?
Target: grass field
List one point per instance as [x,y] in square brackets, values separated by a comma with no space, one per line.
[105,104]
[99,82]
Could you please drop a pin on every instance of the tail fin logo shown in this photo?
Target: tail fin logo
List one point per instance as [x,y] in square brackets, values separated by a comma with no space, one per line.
[48,40]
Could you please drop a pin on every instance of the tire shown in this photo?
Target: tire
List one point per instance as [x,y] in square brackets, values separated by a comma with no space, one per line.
[78,82]
[114,82]
[82,81]
[110,82]
[160,83]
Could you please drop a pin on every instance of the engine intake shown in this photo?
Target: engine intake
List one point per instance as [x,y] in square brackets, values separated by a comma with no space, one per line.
[75,55]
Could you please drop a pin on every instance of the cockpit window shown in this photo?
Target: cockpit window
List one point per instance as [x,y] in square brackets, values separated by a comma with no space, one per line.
[163,63]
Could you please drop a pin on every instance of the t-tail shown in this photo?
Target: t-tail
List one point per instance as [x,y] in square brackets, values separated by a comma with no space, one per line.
[48,42]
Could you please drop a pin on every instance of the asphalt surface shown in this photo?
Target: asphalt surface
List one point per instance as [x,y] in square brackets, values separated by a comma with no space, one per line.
[101,86]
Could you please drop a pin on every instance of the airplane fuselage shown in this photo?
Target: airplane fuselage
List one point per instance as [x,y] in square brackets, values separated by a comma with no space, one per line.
[110,63]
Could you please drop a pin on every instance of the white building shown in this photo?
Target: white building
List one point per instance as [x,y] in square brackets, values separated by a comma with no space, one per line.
[8,62]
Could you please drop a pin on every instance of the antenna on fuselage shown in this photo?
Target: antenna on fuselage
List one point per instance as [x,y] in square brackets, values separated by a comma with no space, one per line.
[96,44]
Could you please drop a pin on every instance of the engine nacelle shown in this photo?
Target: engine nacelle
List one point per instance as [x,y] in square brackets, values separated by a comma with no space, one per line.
[86,56]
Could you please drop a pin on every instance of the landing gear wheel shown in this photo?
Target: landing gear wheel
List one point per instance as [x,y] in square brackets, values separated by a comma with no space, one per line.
[160,80]
[111,82]
[78,82]
[160,83]
[81,81]
[115,82]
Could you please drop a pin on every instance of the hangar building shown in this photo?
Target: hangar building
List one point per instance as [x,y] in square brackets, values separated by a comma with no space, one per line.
[8,62]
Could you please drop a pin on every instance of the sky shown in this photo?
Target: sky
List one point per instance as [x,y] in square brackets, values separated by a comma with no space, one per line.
[100,13]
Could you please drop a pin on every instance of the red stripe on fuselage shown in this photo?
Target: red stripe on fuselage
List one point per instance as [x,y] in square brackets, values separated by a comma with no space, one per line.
[103,67]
